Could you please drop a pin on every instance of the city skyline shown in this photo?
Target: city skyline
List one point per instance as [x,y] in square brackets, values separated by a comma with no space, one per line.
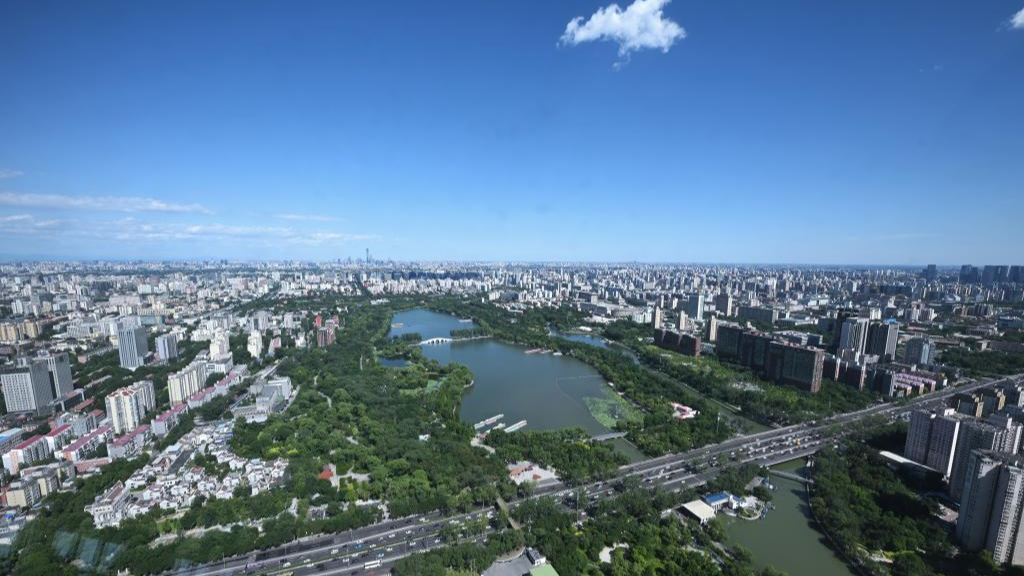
[663,132]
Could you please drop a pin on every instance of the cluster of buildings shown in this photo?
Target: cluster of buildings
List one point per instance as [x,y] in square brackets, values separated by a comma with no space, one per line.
[172,481]
[37,385]
[266,398]
[773,358]
[55,429]
[877,330]
[975,444]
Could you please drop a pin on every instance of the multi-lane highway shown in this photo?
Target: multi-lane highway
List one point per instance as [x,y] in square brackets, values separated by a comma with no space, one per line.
[372,550]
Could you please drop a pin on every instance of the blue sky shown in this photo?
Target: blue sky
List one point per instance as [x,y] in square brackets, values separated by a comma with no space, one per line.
[785,131]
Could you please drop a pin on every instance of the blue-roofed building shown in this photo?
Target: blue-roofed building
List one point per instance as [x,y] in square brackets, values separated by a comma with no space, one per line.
[9,439]
[719,500]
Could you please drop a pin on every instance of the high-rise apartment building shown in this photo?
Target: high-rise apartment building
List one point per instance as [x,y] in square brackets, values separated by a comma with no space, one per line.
[920,351]
[998,434]
[167,346]
[132,347]
[992,506]
[255,344]
[881,340]
[723,304]
[59,368]
[776,360]
[758,314]
[126,406]
[712,329]
[694,307]
[658,318]
[932,439]
[191,379]
[26,387]
[853,335]
[220,346]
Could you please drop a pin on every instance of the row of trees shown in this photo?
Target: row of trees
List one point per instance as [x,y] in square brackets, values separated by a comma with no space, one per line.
[765,402]
[865,508]
[654,543]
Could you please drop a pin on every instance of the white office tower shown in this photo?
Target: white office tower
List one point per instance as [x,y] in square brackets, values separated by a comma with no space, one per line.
[26,387]
[681,325]
[59,367]
[191,379]
[991,507]
[255,346]
[132,346]
[126,406]
[220,346]
[167,346]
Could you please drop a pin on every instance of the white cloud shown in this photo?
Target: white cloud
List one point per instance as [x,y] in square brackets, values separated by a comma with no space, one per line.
[306,217]
[102,203]
[1017,21]
[25,224]
[8,173]
[642,25]
[131,228]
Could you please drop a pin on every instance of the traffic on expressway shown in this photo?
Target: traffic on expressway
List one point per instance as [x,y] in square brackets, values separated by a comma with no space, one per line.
[373,550]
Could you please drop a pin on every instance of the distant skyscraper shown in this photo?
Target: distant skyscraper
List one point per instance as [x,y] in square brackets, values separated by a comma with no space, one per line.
[132,346]
[27,388]
[881,340]
[167,346]
[681,323]
[991,508]
[969,274]
[931,273]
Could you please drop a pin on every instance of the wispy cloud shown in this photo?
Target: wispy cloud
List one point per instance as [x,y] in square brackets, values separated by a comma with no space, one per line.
[1017,20]
[100,203]
[134,229]
[6,173]
[306,217]
[25,224]
[892,237]
[642,25]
